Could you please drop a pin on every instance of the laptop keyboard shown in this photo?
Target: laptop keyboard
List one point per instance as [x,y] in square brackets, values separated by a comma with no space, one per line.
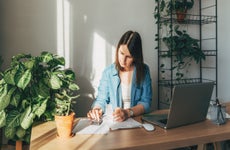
[164,121]
[162,118]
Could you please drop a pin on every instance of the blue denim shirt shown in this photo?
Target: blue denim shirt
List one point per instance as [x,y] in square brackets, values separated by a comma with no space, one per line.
[109,90]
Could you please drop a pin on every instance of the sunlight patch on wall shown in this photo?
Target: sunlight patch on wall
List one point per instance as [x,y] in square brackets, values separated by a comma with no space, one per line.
[102,56]
[63,30]
[85,18]
[98,58]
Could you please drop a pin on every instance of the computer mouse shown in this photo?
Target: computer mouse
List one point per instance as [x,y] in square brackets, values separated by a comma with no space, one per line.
[148,126]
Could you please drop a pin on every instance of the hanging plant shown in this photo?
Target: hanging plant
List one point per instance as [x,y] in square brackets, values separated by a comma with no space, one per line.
[183,48]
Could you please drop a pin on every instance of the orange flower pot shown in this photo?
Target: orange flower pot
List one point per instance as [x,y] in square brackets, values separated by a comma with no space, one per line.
[64,125]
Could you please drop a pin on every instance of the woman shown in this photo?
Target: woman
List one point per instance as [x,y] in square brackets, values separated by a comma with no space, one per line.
[126,84]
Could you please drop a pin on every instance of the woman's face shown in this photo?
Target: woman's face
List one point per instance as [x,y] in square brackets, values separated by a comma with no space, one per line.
[124,57]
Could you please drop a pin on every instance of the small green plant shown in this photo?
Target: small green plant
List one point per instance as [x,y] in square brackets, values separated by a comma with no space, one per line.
[168,7]
[184,48]
[63,102]
[182,5]
[29,89]
[171,6]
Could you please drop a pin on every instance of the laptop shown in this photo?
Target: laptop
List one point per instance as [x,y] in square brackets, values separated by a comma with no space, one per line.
[189,104]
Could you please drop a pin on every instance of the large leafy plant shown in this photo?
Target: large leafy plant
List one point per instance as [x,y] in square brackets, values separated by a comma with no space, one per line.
[29,89]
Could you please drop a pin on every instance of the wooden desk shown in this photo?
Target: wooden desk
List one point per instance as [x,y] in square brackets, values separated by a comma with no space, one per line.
[44,137]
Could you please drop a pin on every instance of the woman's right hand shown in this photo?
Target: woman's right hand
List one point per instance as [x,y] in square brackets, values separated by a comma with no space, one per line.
[120,114]
[95,114]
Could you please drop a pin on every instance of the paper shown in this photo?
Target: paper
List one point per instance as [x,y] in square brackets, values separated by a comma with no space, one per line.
[84,125]
[127,124]
[227,116]
[91,129]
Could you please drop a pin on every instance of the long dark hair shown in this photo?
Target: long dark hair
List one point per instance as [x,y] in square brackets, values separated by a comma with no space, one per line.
[133,41]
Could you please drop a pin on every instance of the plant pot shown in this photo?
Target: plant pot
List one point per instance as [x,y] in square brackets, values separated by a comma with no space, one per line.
[18,145]
[64,126]
[181,16]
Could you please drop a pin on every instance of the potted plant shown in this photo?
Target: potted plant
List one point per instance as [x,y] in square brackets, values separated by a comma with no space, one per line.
[178,7]
[181,7]
[184,48]
[28,89]
[64,117]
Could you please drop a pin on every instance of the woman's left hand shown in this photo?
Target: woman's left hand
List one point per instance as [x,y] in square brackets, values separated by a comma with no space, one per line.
[120,114]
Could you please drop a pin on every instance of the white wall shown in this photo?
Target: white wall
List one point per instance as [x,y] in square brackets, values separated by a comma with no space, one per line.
[223,50]
[30,26]
[27,26]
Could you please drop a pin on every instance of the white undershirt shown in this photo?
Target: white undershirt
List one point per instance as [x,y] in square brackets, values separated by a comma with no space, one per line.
[126,95]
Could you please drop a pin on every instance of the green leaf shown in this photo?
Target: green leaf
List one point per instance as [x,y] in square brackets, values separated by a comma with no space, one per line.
[59,61]
[20,132]
[25,103]
[162,65]
[70,74]
[42,89]
[10,132]
[55,82]
[46,57]
[41,108]
[9,76]
[2,118]
[25,79]
[5,98]
[62,107]
[3,90]
[74,86]
[27,118]
[13,119]
[29,64]
[15,99]
[16,59]
[4,102]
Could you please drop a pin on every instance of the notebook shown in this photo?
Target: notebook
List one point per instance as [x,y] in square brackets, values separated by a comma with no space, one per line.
[189,104]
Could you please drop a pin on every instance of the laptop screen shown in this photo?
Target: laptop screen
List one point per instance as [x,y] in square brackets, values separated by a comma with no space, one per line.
[189,104]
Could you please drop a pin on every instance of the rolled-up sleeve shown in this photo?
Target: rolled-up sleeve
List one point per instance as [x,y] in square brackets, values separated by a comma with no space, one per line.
[103,92]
